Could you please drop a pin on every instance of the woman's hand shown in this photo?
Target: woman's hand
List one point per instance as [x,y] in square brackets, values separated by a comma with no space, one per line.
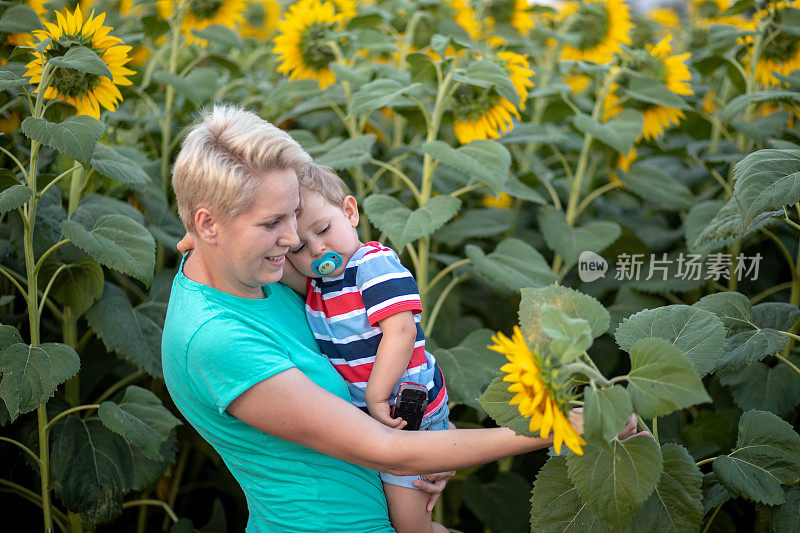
[434,486]
[630,429]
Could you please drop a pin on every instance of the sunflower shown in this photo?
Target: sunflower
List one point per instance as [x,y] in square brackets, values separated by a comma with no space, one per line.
[624,162]
[260,17]
[87,92]
[200,14]
[302,44]
[480,18]
[603,26]
[501,201]
[704,13]
[667,18]
[782,55]
[671,70]
[483,113]
[537,393]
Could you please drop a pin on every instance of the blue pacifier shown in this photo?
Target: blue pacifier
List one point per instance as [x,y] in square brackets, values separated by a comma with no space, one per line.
[327,263]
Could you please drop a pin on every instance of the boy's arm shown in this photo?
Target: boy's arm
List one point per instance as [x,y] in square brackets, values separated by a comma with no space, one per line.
[391,360]
[294,279]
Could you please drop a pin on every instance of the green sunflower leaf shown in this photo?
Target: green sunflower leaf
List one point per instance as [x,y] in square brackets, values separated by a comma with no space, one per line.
[78,286]
[128,331]
[556,505]
[9,80]
[651,91]
[120,163]
[14,197]
[495,402]
[219,34]
[733,308]
[404,226]
[140,418]
[380,93]
[469,367]
[786,518]
[487,74]
[725,227]
[349,153]
[605,412]
[198,86]
[575,304]
[661,379]
[118,242]
[76,136]
[615,481]
[19,19]
[676,505]
[514,264]
[500,504]
[32,373]
[569,241]
[697,334]
[767,455]
[82,59]
[740,103]
[92,467]
[485,160]
[569,337]
[657,187]
[766,180]
[758,386]
[619,132]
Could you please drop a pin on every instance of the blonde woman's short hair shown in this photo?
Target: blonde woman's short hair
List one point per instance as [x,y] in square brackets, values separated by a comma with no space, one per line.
[224,158]
[325,181]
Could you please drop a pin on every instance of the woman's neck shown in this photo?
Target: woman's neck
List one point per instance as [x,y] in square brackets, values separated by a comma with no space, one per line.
[200,269]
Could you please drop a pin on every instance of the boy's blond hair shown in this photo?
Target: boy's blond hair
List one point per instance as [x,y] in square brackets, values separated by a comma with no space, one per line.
[325,181]
[223,160]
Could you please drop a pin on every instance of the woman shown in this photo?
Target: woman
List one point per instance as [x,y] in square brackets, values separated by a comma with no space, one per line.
[243,367]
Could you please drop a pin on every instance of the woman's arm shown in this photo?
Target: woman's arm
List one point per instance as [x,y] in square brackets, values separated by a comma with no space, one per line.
[290,406]
[294,279]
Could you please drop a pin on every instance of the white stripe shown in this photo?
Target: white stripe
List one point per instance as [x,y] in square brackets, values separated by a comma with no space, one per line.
[385,277]
[344,316]
[354,362]
[369,257]
[346,290]
[391,301]
[351,338]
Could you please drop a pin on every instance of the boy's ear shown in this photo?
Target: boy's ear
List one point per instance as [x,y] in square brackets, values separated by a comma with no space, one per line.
[206,226]
[350,208]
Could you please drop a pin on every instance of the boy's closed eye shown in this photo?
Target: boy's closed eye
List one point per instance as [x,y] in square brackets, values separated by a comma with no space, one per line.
[297,250]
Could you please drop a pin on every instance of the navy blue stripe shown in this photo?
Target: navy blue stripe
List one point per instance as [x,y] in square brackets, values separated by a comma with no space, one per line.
[348,280]
[391,288]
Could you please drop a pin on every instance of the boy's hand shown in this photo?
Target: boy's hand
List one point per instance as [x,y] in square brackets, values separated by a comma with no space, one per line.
[187,243]
[381,412]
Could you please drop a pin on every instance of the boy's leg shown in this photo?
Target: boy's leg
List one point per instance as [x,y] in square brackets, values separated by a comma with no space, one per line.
[407,510]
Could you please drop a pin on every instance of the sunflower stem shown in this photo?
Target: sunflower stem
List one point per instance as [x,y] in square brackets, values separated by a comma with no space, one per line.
[169,95]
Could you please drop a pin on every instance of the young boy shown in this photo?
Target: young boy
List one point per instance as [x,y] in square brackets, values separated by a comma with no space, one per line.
[364,312]
[363,307]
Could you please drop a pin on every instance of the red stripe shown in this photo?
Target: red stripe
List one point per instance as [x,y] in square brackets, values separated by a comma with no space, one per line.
[415,306]
[438,401]
[417,357]
[338,305]
[354,374]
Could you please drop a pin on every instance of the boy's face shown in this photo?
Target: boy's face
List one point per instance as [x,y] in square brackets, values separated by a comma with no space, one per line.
[324,227]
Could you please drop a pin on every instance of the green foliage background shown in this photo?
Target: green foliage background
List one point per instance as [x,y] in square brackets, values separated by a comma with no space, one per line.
[492,228]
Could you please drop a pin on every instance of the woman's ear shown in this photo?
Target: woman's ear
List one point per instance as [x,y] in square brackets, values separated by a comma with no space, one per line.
[350,208]
[206,226]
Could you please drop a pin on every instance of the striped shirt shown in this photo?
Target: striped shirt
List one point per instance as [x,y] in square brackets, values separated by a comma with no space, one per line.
[344,312]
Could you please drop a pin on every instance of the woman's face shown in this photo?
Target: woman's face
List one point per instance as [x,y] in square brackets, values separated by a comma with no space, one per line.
[252,247]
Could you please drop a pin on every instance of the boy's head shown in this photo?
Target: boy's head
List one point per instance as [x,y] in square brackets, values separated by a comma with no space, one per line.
[327,220]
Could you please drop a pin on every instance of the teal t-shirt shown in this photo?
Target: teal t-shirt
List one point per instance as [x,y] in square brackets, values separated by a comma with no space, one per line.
[216,346]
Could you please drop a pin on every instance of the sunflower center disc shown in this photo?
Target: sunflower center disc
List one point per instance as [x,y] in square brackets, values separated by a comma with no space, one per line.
[591,23]
[316,51]
[204,9]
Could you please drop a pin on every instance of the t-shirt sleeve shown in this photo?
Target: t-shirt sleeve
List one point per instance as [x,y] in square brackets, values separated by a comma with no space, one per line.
[386,286]
[226,357]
